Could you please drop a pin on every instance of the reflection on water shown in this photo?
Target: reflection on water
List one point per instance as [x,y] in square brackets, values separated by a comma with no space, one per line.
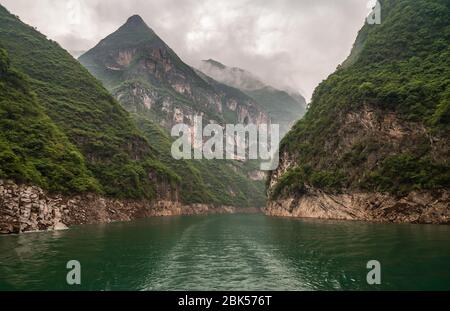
[229,252]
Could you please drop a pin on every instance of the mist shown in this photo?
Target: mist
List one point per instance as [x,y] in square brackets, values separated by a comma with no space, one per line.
[286,43]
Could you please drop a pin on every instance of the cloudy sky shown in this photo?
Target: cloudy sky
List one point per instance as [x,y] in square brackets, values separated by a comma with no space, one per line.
[295,43]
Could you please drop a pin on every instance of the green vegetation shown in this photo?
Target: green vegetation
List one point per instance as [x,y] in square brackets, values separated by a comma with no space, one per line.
[403,173]
[295,181]
[32,148]
[400,67]
[60,128]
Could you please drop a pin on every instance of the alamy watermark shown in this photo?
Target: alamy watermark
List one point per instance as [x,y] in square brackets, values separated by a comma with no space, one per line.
[374,275]
[374,17]
[231,142]
[73,277]
[73,8]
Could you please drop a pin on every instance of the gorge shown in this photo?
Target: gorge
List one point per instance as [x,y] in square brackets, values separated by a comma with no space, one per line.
[149,173]
[88,141]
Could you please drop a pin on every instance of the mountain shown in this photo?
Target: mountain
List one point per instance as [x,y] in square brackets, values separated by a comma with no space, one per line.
[152,83]
[116,153]
[147,76]
[283,106]
[76,53]
[32,146]
[69,153]
[374,144]
[235,77]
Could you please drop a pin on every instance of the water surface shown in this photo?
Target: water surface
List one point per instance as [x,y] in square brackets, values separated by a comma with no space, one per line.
[229,252]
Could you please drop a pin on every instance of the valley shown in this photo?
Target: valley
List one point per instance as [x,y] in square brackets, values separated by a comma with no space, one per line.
[224,146]
[373,144]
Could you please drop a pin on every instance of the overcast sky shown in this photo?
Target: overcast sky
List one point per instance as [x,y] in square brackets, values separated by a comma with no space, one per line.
[295,43]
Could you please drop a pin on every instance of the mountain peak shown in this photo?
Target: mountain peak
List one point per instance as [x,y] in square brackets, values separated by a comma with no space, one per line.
[133,33]
[215,63]
[135,20]
[136,23]
[136,26]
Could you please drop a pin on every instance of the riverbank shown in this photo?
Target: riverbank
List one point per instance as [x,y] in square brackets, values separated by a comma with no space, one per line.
[417,207]
[25,208]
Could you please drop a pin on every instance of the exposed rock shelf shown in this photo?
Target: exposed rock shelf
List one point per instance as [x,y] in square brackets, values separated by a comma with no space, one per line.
[417,207]
[25,208]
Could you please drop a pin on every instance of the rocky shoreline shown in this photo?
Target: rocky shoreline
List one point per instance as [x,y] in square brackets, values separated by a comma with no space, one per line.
[417,207]
[25,208]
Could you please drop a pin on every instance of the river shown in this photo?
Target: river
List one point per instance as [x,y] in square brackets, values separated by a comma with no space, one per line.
[229,252]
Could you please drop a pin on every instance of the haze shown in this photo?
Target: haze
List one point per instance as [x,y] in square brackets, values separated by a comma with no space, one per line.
[287,43]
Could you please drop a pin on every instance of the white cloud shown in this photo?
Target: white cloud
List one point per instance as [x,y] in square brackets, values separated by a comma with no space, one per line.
[296,43]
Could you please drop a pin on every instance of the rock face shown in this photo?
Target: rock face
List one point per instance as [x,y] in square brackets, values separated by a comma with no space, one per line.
[416,207]
[26,208]
[364,138]
[393,136]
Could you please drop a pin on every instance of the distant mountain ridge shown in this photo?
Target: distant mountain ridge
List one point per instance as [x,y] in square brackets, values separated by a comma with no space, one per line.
[233,76]
[284,107]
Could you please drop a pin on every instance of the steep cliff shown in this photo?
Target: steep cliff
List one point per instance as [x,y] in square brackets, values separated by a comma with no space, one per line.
[375,143]
[216,182]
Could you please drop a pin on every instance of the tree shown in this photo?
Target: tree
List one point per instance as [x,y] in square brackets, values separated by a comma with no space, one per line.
[4,62]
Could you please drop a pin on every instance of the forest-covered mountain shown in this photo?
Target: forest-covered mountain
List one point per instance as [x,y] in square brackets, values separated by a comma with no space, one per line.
[284,107]
[60,129]
[375,142]
[160,90]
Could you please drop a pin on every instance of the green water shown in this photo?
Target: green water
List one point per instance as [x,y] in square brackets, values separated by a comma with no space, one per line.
[233,252]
